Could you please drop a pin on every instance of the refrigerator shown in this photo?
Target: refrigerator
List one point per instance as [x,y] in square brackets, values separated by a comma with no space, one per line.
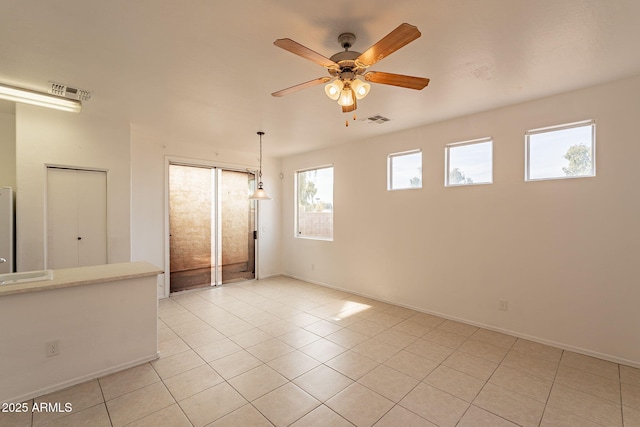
[6,230]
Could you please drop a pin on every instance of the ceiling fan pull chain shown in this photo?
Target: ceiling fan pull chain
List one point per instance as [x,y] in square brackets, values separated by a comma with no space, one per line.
[346,123]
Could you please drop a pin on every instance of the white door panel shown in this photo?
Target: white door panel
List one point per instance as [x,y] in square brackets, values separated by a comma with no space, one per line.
[76,218]
[92,218]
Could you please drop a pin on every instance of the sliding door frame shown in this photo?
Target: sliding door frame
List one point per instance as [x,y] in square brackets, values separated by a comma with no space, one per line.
[217,167]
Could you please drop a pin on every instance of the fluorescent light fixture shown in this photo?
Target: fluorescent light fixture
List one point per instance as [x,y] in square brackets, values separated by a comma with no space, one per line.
[26,96]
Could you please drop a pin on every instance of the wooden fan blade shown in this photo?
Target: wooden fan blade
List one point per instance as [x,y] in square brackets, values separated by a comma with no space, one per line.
[305,52]
[301,86]
[401,80]
[393,41]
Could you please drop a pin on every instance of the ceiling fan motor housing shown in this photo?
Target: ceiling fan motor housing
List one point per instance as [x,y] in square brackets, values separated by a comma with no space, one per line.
[348,66]
[346,75]
[347,55]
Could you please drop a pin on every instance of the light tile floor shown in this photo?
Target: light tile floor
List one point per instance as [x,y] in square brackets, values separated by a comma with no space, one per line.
[284,352]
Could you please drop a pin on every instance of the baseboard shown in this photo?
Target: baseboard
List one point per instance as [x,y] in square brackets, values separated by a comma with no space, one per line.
[97,374]
[563,346]
[268,276]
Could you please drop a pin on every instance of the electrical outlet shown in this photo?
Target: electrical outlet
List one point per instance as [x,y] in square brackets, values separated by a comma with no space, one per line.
[52,348]
[503,305]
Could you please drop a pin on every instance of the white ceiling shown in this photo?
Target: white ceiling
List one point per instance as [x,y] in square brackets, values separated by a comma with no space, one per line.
[202,71]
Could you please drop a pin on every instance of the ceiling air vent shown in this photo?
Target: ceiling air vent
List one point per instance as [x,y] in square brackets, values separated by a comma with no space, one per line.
[65,91]
[377,119]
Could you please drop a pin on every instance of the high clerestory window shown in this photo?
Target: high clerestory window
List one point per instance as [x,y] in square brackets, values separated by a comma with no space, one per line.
[314,203]
[469,162]
[566,151]
[404,170]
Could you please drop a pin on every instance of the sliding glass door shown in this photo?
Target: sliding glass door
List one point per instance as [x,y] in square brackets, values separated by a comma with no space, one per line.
[211,226]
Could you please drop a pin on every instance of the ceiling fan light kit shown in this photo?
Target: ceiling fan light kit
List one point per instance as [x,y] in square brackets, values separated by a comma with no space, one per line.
[348,68]
[360,88]
[346,96]
[333,89]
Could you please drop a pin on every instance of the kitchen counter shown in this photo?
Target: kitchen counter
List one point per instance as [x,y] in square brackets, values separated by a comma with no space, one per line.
[69,277]
[102,319]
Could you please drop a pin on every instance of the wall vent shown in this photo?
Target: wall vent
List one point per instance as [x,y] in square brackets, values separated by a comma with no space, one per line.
[65,91]
[377,119]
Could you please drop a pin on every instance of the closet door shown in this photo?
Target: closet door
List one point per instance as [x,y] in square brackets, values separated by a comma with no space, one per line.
[92,217]
[76,218]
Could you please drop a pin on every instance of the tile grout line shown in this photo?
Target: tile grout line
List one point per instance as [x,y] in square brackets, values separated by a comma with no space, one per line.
[104,401]
[621,402]
[486,382]
[553,383]
[175,401]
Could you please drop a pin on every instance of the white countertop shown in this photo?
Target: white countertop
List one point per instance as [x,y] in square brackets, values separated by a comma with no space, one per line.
[68,277]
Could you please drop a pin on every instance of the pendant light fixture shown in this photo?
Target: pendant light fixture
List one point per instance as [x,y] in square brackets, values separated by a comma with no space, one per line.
[260,193]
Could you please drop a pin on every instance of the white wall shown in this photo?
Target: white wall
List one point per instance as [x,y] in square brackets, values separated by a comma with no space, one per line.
[563,252]
[50,137]
[7,144]
[148,182]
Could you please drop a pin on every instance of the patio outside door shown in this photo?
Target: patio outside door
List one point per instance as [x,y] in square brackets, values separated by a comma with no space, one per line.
[211,226]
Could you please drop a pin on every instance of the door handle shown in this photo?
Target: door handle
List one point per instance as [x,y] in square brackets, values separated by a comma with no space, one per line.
[2,260]
[79,238]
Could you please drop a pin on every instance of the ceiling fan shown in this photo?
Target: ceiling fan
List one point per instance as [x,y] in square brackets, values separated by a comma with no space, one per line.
[347,69]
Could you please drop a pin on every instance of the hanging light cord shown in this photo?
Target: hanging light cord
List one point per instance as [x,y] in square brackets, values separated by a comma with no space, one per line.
[260,170]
